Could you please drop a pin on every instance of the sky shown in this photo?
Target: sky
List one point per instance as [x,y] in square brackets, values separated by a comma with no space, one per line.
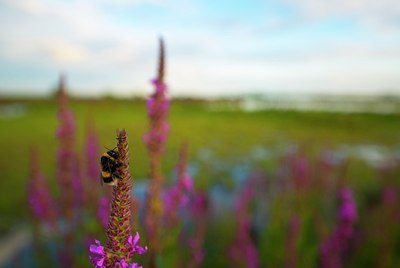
[212,47]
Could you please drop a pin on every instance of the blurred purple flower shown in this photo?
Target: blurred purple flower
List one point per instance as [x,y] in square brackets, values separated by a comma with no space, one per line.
[103,210]
[198,209]
[348,210]
[334,250]
[243,249]
[66,160]
[158,106]
[67,174]
[301,171]
[40,200]
[92,154]
[77,185]
[177,196]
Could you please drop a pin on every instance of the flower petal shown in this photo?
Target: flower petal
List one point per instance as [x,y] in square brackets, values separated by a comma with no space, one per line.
[97,249]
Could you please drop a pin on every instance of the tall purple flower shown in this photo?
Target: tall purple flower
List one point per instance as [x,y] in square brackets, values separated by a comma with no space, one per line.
[77,185]
[103,210]
[301,171]
[40,201]
[334,250]
[66,155]
[92,153]
[243,249]
[121,246]
[177,195]
[158,106]
[295,169]
[198,208]
[92,170]
[67,174]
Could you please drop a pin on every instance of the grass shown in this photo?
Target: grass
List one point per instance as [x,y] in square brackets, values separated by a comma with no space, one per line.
[227,134]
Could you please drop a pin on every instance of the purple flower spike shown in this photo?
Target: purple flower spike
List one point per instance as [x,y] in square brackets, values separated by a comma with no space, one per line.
[39,198]
[120,246]
[198,218]
[348,210]
[177,196]
[244,250]
[335,249]
[103,210]
[92,153]
[158,106]
[67,173]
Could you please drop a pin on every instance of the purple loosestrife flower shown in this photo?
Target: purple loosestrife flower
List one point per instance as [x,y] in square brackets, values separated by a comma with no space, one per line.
[198,206]
[103,210]
[243,250]
[177,196]
[296,168]
[68,179]
[157,105]
[121,246]
[101,259]
[77,185]
[92,165]
[66,154]
[301,171]
[40,201]
[334,250]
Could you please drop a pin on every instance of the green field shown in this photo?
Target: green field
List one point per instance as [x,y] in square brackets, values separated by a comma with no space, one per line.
[228,134]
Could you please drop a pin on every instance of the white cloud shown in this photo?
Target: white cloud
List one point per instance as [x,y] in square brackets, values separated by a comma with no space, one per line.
[62,52]
[82,39]
[374,13]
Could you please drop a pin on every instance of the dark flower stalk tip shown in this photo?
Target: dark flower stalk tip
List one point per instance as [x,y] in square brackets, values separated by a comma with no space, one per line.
[121,245]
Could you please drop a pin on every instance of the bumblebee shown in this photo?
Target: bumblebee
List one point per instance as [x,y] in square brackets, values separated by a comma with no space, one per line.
[109,167]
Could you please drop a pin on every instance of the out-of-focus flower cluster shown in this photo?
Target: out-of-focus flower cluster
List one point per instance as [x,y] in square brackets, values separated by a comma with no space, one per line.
[335,249]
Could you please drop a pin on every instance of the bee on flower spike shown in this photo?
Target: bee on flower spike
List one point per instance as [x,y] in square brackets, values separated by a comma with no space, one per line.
[109,167]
